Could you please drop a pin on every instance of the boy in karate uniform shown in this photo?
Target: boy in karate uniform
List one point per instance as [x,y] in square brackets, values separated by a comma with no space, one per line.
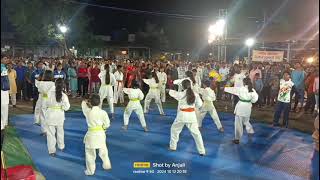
[162,76]
[247,95]
[95,138]
[135,96]
[208,97]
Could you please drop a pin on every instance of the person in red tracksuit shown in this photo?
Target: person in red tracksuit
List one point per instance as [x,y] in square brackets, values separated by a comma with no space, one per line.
[83,80]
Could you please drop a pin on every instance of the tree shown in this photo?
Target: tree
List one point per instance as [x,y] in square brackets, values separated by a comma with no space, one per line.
[36,21]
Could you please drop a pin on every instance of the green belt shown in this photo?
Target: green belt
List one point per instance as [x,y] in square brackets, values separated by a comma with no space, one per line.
[247,101]
[135,99]
[55,107]
[97,128]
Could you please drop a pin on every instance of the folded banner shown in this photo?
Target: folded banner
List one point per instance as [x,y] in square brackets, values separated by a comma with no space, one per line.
[267,56]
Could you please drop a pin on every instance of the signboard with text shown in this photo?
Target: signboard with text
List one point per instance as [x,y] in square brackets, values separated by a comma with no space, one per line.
[267,56]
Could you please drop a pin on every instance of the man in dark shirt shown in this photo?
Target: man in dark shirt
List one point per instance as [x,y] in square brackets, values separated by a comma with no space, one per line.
[28,80]
[21,71]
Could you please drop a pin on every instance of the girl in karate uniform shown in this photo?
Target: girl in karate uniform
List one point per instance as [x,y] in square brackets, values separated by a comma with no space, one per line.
[189,75]
[247,95]
[118,88]
[186,116]
[95,138]
[135,96]
[106,91]
[208,97]
[54,106]
[43,87]
[154,93]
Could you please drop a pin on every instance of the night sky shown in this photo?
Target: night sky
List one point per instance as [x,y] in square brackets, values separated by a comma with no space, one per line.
[294,15]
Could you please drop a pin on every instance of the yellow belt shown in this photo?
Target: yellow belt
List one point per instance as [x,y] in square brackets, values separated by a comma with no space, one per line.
[55,107]
[153,87]
[45,96]
[97,128]
[135,99]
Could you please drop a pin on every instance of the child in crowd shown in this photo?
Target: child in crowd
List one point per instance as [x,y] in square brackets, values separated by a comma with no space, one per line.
[135,96]
[95,138]
[247,96]
[208,97]
[283,100]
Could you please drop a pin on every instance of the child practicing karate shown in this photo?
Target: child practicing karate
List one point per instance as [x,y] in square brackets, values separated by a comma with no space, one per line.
[106,91]
[43,86]
[247,95]
[135,96]
[208,96]
[54,106]
[154,93]
[162,76]
[118,88]
[95,138]
[186,116]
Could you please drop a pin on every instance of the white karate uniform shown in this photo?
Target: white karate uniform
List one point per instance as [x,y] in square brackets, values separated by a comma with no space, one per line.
[188,119]
[154,93]
[54,119]
[95,138]
[243,108]
[135,96]
[106,90]
[118,88]
[162,76]
[39,113]
[4,108]
[208,97]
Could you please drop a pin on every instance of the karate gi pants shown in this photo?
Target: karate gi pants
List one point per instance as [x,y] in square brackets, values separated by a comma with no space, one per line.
[239,122]
[55,136]
[91,158]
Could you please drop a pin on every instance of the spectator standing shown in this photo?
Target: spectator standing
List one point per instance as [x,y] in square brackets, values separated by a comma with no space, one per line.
[316,91]
[83,79]
[266,92]
[28,79]
[73,79]
[298,76]
[309,83]
[224,72]
[12,76]
[95,80]
[21,85]
[258,86]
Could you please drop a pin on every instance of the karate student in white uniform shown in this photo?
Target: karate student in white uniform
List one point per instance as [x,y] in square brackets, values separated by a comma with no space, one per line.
[162,76]
[154,93]
[44,87]
[118,88]
[208,96]
[54,106]
[247,95]
[106,91]
[95,138]
[186,116]
[5,87]
[135,96]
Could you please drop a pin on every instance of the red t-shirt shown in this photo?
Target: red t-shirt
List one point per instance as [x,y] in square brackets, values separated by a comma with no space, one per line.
[82,72]
[94,74]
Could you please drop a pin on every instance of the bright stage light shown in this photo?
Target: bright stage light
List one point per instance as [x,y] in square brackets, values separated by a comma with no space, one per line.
[188,54]
[250,42]
[310,60]
[210,54]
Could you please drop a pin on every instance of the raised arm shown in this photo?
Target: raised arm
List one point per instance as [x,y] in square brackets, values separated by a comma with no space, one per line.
[65,103]
[85,108]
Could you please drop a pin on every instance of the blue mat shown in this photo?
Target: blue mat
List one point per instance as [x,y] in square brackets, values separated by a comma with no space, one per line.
[273,154]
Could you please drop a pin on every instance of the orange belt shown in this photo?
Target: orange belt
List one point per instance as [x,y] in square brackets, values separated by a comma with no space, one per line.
[187,110]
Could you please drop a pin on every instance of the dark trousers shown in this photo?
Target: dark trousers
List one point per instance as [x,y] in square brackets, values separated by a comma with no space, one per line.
[220,89]
[83,82]
[29,90]
[266,93]
[311,102]
[35,98]
[21,90]
[299,96]
[285,108]
[260,99]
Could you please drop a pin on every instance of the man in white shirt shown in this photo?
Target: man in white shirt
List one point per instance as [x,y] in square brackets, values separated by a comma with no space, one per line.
[224,72]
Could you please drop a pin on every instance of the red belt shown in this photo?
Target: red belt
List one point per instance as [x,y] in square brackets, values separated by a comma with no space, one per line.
[187,110]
